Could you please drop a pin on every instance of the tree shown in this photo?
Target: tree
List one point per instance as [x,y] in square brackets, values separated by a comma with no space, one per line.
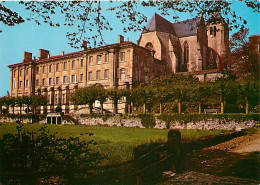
[115,95]
[200,93]
[162,95]
[244,59]
[1,105]
[102,95]
[20,102]
[37,101]
[90,21]
[248,91]
[83,96]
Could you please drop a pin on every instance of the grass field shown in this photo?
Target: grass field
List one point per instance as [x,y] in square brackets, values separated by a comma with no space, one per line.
[115,142]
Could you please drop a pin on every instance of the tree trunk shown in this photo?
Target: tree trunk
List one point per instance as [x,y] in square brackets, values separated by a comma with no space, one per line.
[144,109]
[101,103]
[222,107]
[199,107]
[20,110]
[90,108]
[179,107]
[247,105]
[1,109]
[115,111]
[161,107]
[28,109]
[13,109]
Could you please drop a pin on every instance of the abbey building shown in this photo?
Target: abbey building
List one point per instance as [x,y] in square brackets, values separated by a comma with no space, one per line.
[190,46]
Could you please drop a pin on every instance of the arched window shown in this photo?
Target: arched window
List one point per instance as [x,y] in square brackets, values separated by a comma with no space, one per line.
[186,52]
[149,46]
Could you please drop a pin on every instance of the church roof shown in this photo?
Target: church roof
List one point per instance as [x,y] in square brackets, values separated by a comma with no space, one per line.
[179,29]
[158,23]
[186,28]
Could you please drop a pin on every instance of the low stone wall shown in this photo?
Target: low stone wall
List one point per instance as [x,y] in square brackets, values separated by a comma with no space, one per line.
[210,124]
[113,121]
[6,120]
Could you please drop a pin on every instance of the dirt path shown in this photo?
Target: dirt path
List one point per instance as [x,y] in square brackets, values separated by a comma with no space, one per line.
[232,162]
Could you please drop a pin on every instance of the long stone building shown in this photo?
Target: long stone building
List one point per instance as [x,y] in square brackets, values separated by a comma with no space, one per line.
[190,46]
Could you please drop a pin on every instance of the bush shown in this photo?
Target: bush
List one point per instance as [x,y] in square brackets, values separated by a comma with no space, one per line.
[58,109]
[231,108]
[44,155]
[148,120]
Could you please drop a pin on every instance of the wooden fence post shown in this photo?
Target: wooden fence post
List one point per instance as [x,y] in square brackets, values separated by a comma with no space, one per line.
[174,149]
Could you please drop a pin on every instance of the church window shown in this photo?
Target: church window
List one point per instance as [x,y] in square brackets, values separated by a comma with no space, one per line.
[186,52]
[215,30]
[149,46]
[211,31]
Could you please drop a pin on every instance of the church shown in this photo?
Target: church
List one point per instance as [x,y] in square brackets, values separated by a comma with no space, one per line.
[187,47]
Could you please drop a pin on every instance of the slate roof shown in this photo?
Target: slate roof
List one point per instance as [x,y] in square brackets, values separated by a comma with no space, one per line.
[179,29]
[158,23]
[186,28]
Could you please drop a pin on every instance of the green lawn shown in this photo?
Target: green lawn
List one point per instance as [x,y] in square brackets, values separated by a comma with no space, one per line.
[115,142]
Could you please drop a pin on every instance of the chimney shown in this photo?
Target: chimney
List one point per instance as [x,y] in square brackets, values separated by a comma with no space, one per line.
[84,45]
[120,39]
[43,54]
[62,53]
[27,57]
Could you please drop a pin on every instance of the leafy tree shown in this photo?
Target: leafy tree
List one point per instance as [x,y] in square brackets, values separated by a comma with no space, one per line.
[89,17]
[200,93]
[44,154]
[37,101]
[244,60]
[248,91]
[115,95]
[83,96]
[102,95]
[20,102]
[162,95]
[1,105]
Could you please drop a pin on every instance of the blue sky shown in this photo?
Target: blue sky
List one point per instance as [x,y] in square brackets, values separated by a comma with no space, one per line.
[30,37]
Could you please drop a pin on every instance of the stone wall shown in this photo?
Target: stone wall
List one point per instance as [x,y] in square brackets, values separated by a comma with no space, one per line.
[210,124]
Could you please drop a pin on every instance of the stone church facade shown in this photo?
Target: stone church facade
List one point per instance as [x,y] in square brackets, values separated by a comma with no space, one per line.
[184,47]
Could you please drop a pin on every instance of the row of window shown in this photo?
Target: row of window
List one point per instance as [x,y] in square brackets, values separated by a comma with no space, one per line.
[98,75]
[65,80]
[58,99]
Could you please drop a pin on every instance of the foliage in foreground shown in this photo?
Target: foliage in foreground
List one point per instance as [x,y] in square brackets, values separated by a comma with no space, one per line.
[29,155]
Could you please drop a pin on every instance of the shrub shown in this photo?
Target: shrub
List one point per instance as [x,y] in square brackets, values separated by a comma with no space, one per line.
[231,108]
[148,120]
[58,109]
[43,155]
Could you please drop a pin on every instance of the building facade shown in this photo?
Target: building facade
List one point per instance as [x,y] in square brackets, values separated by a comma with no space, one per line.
[163,47]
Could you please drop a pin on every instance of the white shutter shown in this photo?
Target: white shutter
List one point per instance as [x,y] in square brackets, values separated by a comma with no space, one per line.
[76,80]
